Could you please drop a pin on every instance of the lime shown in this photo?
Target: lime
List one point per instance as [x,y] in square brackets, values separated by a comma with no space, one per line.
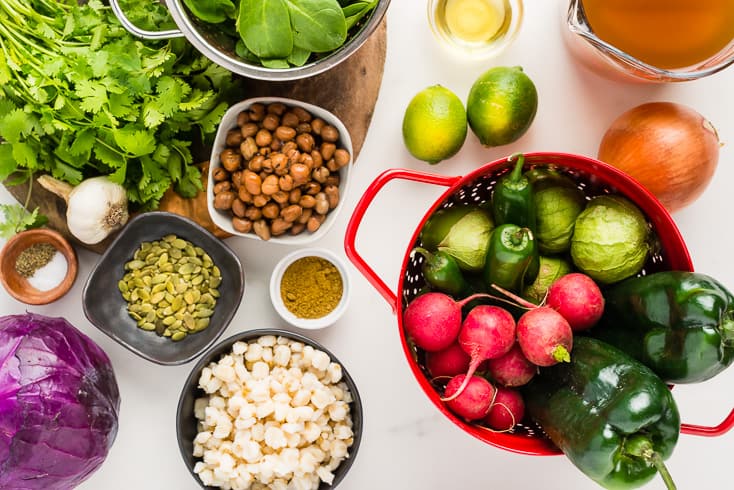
[501,106]
[434,125]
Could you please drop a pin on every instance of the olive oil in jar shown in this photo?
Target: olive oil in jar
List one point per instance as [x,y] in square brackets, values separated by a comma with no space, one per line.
[477,27]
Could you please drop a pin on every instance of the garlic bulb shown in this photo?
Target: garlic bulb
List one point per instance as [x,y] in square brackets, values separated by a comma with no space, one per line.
[94,208]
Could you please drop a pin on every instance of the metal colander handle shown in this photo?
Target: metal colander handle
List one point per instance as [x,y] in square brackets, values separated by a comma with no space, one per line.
[361,208]
[137,31]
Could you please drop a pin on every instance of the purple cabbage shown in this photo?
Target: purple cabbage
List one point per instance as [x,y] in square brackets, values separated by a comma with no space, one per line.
[59,404]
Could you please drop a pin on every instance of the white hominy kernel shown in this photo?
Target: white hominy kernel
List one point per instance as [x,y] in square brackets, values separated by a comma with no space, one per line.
[254,352]
[334,463]
[325,445]
[212,458]
[292,428]
[267,469]
[213,443]
[200,405]
[264,409]
[296,360]
[226,464]
[212,386]
[325,475]
[258,432]
[338,449]
[322,398]
[335,372]
[280,411]
[241,371]
[306,357]
[251,452]
[275,385]
[226,360]
[281,397]
[202,437]
[260,370]
[211,416]
[310,381]
[282,340]
[199,466]
[320,360]
[267,340]
[207,477]
[267,355]
[301,398]
[293,440]
[260,392]
[311,431]
[198,451]
[239,348]
[338,411]
[225,372]
[338,392]
[218,402]
[278,484]
[244,423]
[205,376]
[223,428]
[247,410]
[304,413]
[296,346]
[342,432]
[281,355]
[235,404]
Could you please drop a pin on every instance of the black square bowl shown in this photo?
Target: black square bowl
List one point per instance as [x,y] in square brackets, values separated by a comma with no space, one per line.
[186,423]
[105,307]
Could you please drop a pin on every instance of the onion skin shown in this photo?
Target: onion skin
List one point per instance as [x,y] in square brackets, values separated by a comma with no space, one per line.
[669,148]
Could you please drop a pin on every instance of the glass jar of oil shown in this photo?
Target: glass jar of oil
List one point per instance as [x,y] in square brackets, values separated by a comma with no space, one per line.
[477,28]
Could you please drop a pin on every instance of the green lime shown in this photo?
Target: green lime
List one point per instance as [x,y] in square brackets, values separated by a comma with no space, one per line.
[434,125]
[501,106]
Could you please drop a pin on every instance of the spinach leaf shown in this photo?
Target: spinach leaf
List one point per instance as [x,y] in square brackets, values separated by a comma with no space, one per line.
[318,25]
[265,28]
[275,63]
[356,11]
[212,11]
[241,50]
[299,56]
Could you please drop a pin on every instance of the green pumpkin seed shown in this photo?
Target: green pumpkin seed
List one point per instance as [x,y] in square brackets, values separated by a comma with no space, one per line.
[178,336]
[148,326]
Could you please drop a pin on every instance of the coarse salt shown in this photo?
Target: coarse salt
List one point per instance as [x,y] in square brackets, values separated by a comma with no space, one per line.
[50,275]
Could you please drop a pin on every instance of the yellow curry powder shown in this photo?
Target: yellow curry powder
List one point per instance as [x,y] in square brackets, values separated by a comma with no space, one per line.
[311,287]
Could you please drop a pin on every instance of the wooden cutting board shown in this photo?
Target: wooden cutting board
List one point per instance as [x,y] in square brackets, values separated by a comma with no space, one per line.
[349,90]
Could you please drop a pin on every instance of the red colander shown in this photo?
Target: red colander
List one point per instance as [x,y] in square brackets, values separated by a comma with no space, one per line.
[593,178]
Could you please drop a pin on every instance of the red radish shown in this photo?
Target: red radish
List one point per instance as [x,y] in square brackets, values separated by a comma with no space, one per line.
[447,362]
[545,337]
[474,401]
[512,369]
[487,332]
[578,299]
[506,411]
[433,320]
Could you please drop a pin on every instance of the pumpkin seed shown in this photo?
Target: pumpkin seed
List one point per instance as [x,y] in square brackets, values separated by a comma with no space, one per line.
[178,336]
[147,326]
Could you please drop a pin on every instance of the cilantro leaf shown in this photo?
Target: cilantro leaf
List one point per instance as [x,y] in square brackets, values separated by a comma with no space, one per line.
[17,219]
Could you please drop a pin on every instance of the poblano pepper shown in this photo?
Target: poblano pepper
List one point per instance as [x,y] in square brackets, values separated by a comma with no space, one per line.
[609,414]
[680,324]
[442,272]
[512,258]
[512,198]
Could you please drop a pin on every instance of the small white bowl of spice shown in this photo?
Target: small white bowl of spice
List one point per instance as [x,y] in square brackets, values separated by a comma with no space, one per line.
[309,288]
[38,266]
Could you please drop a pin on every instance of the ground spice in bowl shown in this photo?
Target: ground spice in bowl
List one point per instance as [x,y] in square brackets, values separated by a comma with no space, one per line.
[33,258]
[311,287]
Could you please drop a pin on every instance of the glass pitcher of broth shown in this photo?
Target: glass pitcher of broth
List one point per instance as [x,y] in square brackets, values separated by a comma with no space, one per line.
[651,40]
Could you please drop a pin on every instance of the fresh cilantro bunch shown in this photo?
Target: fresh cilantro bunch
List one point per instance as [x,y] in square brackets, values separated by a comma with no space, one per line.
[80,96]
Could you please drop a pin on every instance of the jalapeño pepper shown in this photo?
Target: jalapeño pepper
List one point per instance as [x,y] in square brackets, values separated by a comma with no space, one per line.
[442,272]
[512,198]
[609,414]
[512,258]
[680,324]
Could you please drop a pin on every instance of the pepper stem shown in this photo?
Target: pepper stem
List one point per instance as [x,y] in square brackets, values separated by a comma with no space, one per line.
[425,253]
[641,447]
[517,171]
[727,328]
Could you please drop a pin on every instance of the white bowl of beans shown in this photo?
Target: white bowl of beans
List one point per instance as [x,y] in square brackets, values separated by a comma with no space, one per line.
[279,170]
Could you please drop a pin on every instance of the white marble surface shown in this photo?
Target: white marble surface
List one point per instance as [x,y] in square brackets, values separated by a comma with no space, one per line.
[407,444]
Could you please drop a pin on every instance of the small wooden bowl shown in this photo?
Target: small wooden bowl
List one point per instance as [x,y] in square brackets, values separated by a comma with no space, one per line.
[17,285]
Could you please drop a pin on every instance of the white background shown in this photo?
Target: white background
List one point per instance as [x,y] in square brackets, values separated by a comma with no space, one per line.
[407,444]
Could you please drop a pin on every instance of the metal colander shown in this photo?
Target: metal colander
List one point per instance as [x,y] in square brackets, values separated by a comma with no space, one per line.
[591,176]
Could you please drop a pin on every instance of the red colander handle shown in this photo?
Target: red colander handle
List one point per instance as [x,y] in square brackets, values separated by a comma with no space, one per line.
[361,208]
[702,430]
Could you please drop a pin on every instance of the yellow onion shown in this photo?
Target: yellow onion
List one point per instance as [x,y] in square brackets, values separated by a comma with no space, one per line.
[669,148]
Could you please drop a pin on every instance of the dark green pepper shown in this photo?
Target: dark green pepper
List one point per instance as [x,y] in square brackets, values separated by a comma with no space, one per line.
[442,272]
[680,324]
[512,198]
[512,258]
[609,414]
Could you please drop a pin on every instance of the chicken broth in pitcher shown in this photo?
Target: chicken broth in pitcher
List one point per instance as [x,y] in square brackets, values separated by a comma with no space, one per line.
[667,34]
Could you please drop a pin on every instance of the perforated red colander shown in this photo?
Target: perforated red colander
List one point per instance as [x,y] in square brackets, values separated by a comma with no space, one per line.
[594,178]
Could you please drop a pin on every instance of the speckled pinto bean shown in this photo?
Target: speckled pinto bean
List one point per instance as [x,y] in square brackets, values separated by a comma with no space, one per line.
[279,171]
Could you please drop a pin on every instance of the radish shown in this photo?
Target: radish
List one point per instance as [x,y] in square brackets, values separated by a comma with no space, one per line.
[447,362]
[545,337]
[475,399]
[487,332]
[578,298]
[506,411]
[512,369]
[433,320]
